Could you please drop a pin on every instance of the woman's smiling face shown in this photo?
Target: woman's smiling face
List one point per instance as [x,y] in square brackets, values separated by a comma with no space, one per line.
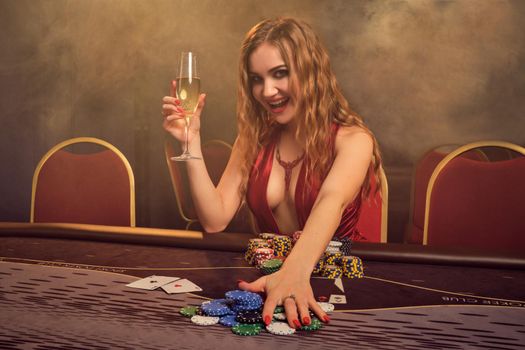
[270,83]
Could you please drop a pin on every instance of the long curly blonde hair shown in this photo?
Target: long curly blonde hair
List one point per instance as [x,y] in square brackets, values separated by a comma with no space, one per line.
[320,105]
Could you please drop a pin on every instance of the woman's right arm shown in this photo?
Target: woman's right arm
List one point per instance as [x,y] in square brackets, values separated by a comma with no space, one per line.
[215,206]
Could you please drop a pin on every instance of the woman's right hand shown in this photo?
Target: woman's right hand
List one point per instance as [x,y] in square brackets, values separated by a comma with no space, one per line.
[174,115]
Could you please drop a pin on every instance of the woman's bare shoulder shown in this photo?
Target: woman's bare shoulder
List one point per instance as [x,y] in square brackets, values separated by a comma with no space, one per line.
[353,136]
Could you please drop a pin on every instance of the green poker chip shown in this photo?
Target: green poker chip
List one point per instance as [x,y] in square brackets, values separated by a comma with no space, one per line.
[247,329]
[272,264]
[314,325]
[189,311]
[278,309]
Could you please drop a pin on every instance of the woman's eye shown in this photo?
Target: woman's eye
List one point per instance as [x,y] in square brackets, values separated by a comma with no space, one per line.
[281,73]
[255,79]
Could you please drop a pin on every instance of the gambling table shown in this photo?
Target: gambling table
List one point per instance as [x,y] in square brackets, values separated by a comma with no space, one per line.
[63,286]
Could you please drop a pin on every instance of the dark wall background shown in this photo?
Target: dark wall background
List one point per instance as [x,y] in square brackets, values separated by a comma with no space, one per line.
[422,73]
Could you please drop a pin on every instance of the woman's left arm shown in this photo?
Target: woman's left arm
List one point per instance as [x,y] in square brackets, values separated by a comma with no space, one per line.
[291,284]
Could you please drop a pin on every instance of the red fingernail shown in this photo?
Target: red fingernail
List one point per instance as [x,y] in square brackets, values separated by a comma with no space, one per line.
[306,321]
[296,323]
[267,320]
[326,319]
[177,102]
[239,281]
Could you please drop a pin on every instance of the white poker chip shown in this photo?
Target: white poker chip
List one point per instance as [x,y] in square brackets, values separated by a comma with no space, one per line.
[335,244]
[204,320]
[327,307]
[281,316]
[280,328]
[332,250]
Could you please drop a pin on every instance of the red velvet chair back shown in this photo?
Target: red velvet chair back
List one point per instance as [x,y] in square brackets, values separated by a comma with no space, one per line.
[93,188]
[423,170]
[372,222]
[477,204]
[216,154]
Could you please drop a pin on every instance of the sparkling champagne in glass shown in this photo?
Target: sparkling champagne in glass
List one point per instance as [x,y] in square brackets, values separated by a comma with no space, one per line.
[188,91]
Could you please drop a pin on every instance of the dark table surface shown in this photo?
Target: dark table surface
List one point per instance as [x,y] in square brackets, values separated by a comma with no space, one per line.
[63,286]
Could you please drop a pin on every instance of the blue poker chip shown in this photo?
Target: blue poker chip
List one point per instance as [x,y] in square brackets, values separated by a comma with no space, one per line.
[217,307]
[246,307]
[243,297]
[228,320]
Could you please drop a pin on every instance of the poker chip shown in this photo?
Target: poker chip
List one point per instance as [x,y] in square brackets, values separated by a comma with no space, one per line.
[332,271]
[271,266]
[282,245]
[217,307]
[326,307]
[228,321]
[247,329]
[241,297]
[314,325]
[278,309]
[253,245]
[189,311]
[280,328]
[332,258]
[249,317]
[335,244]
[262,255]
[280,316]
[352,266]
[245,307]
[204,320]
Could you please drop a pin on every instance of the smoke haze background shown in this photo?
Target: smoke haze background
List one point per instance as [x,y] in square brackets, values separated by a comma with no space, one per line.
[422,74]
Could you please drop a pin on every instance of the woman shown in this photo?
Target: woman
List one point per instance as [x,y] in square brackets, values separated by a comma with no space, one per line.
[300,146]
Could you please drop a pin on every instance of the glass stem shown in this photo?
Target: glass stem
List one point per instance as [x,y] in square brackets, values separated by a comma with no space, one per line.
[186,127]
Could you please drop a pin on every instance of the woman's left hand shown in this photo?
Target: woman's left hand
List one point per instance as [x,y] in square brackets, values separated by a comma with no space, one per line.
[290,289]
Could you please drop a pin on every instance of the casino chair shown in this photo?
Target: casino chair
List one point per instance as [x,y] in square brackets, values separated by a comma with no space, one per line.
[476,203]
[83,180]
[373,221]
[420,178]
[216,154]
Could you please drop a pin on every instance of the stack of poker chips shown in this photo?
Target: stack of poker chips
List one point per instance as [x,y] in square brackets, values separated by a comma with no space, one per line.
[282,245]
[242,312]
[253,245]
[334,264]
[332,271]
[262,255]
[352,266]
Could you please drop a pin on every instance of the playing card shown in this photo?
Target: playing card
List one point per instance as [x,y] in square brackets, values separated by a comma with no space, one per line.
[152,282]
[181,286]
[339,284]
[337,299]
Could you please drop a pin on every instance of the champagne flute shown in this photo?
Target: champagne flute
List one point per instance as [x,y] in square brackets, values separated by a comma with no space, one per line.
[188,90]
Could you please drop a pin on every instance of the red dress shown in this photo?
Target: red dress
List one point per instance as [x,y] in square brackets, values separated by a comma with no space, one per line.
[304,200]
